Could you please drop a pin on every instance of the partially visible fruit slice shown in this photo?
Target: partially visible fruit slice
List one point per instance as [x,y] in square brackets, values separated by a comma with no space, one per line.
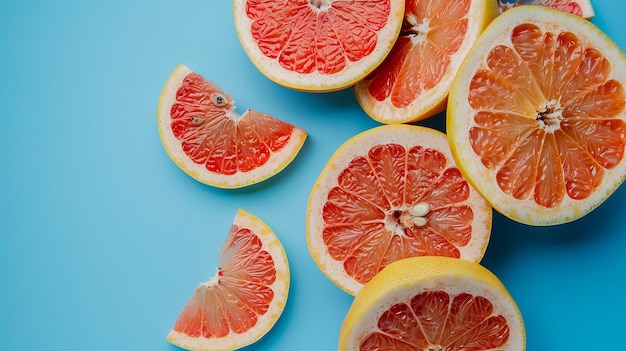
[203,134]
[537,116]
[243,301]
[414,80]
[581,8]
[317,45]
[389,193]
[433,303]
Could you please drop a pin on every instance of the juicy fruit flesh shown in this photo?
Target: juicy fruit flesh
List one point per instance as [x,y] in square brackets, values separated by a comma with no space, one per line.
[212,134]
[324,36]
[394,203]
[437,321]
[562,5]
[432,32]
[232,301]
[547,111]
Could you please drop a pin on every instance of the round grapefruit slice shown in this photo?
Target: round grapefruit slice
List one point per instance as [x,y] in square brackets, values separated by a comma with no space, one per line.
[204,135]
[414,80]
[581,8]
[389,193]
[317,45]
[433,303]
[537,118]
[243,301]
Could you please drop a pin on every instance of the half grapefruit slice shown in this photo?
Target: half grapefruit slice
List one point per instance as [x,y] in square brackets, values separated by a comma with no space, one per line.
[414,80]
[433,303]
[389,193]
[537,115]
[317,45]
[204,135]
[243,301]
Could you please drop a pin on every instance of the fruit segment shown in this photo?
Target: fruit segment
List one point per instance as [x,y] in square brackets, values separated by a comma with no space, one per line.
[203,134]
[245,298]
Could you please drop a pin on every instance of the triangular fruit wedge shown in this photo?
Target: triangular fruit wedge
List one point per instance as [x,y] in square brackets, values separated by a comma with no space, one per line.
[211,142]
[243,301]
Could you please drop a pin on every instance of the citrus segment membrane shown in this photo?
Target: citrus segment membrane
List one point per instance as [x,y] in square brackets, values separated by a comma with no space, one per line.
[244,299]
[433,303]
[537,117]
[389,193]
[413,81]
[317,45]
[582,8]
[210,141]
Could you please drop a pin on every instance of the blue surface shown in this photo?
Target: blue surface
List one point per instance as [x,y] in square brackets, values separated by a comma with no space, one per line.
[103,238]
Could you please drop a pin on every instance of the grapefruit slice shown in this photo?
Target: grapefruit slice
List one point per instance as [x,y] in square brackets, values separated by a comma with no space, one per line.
[203,134]
[433,303]
[243,301]
[536,116]
[317,45]
[414,80]
[581,8]
[389,193]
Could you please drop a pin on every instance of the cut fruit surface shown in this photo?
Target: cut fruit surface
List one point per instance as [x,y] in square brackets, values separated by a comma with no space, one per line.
[389,193]
[317,45]
[580,8]
[243,301]
[536,116]
[433,303]
[203,134]
[414,80]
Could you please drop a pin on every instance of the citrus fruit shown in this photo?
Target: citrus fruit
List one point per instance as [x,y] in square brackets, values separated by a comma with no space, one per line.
[317,45]
[536,116]
[581,8]
[388,193]
[414,80]
[205,136]
[433,303]
[243,301]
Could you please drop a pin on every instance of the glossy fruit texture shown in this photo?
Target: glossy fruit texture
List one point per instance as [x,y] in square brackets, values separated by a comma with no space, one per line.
[390,193]
[317,45]
[413,81]
[205,136]
[244,299]
[545,120]
[433,303]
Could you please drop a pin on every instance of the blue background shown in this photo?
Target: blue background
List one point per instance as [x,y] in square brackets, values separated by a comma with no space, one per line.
[103,238]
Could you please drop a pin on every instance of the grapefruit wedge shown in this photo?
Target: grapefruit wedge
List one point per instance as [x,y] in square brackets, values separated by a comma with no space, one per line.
[205,136]
[537,117]
[433,303]
[389,193]
[317,45]
[581,8]
[414,80]
[243,301]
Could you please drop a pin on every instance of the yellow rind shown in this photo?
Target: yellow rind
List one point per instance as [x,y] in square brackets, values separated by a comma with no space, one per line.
[416,274]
